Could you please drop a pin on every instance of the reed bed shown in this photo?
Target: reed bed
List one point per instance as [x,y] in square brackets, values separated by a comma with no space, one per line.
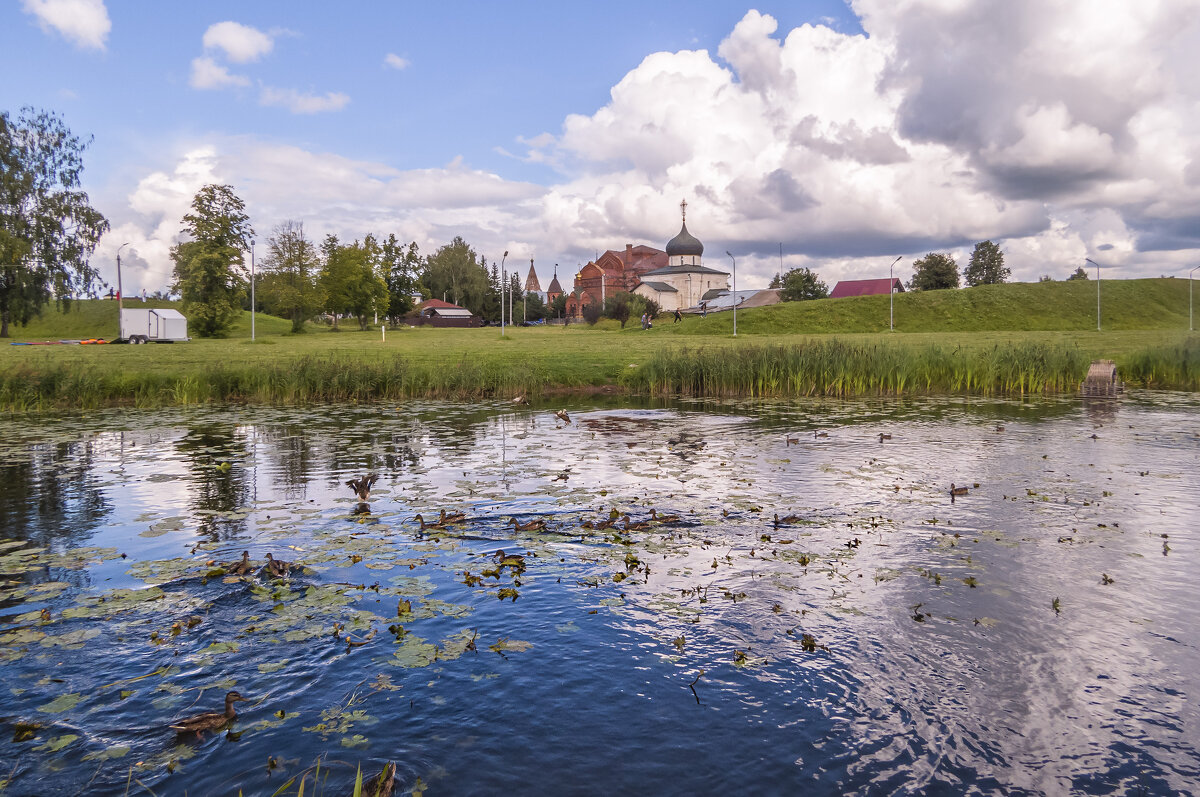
[838,368]
[1164,367]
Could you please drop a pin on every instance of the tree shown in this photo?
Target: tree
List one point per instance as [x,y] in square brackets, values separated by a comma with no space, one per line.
[800,284]
[210,270]
[289,286]
[986,266]
[558,307]
[48,229]
[534,307]
[592,312]
[616,306]
[1078,274]
[452,272]
[933,272]
[351,279]
[401,265]
[1045,278]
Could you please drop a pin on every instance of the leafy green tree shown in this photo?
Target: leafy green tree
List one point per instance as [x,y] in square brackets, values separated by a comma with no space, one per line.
[1045,278]
[289,286]
[351,280]
[617,306]
[800,284]
[401,266]
[935,271]
[210,269]
[456,273]
[1078,274]
[558,307]
[986,266]
[48,229]
[534,308]
[592,313]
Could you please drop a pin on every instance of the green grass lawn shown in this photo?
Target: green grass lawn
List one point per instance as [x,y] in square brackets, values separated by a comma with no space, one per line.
[1139,316]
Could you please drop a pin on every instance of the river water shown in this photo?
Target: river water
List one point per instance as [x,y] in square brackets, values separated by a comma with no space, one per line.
[1035,635]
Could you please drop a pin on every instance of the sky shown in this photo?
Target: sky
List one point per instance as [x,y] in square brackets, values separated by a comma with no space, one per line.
[845,134]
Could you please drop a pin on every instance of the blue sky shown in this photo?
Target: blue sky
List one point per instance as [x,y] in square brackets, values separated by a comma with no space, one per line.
[850,133]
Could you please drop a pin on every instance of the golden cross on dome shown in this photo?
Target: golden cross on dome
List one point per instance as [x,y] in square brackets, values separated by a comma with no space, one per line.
[683,209]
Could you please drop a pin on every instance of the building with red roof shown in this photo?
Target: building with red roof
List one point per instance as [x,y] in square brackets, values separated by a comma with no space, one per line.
[877,287]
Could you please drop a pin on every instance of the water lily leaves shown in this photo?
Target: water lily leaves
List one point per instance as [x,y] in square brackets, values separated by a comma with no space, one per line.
[355,742]
[57,743]
[61,703]
[71,639]
[412,651]
[108,754]
[113,602]
[218,648]
[506,645]
[272,666]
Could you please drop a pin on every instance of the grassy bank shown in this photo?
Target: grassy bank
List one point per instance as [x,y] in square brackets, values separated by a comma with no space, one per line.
[774,354]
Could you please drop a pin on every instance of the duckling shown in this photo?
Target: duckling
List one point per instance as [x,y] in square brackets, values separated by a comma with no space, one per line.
[657,518]
[640,525]
[958,490]
[210,720]
[362,485]
[537,524]
[786,520]
[437,524]
[884,436]
[452,517]
[277,567]
[605,524]
[382,784]
[562,416]
[240,567]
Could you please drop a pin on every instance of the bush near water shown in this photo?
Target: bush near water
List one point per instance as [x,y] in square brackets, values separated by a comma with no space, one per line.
[784,350]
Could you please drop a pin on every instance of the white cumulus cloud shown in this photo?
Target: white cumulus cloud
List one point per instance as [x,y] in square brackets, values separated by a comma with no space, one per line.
[395,61]
[240,43]
[82,22]
[208,74]
[299,102]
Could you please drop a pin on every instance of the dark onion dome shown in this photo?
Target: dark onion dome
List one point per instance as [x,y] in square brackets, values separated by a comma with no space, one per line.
[684,244]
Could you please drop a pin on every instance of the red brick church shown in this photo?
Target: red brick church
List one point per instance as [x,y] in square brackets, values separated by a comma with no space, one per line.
[613,271]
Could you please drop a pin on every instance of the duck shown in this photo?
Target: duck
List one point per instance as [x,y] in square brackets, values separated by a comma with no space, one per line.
[657,518]
[562,416]
[451,517]
[628,525]
[277,567]
[791,441]
[884,436]
[362,485]
[437,524]
[786,520]
[240,567]
[382,784]
[958,490]
[209,720]
[820,434]
[537,524]
[521,400]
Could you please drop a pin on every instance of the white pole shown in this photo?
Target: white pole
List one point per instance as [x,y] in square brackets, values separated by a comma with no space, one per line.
[735,296]
[1097,265]
[891,296]
[1191,326]
[252,290]
[503,279]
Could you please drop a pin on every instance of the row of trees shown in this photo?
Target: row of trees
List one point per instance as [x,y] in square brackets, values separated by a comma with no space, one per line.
[937,271]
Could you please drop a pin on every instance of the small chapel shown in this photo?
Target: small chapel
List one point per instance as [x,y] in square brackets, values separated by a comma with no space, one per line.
[675,278]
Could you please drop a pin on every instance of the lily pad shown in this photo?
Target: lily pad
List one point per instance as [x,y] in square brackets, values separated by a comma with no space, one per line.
[61,703]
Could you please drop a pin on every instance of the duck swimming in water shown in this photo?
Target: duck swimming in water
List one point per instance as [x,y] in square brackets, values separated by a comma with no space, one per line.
[209,720]
[277,567]
[362,485]
[240,567]
[537,524]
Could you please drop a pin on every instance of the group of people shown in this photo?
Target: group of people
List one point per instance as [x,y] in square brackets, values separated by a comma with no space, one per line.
[647,321]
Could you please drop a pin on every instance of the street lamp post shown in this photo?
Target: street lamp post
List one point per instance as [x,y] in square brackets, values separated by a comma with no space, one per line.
[891,296]
[120,299]
[735,296]
[251,290]
[503,279]
[1191,326]
[1097,265]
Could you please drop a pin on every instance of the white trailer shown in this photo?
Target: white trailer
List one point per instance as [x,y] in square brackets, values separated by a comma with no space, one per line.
[160,326]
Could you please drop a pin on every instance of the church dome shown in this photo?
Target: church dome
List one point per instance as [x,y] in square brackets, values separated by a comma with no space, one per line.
[684,244]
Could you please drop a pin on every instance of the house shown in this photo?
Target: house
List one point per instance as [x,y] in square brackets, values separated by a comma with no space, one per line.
[683,281]
[436,313]
[877,287]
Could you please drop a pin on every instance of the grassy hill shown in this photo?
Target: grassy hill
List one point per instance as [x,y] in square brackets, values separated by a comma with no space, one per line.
[98,318]
[1018,307]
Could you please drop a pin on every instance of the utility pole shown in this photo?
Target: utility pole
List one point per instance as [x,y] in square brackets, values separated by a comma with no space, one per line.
[503,279]
[735,296]
[891,295]
[251,290]
[1097,265]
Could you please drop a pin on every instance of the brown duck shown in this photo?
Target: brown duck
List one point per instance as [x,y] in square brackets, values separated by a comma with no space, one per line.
[362,485]
[785,520]
[452,517]
[437,524]
[958,490]
[629,525]
[277,567]
[382,784]
[209,720]
[240,567]
[562,416]
[537,524]
[657,518]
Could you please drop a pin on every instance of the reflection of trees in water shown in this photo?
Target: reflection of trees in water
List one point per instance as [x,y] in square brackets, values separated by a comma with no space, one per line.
[292,452]
[214,487]
[53,497]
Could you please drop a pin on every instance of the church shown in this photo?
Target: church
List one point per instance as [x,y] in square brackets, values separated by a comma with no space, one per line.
[675,279]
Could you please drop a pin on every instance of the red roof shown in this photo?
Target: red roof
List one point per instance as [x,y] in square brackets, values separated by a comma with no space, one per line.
[438,304]
[865,287]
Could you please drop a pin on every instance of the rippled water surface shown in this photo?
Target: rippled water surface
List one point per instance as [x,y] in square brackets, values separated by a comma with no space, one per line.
[1036,635]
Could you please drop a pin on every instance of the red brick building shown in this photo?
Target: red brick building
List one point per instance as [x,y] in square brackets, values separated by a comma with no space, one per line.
[611,272]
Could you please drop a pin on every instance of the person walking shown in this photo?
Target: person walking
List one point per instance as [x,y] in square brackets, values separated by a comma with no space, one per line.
[678,317]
